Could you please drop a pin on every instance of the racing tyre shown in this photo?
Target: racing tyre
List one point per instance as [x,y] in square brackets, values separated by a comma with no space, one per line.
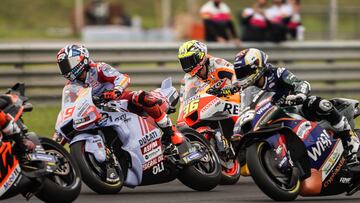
[206,174]
[260,157]
[65,184]
[94,173]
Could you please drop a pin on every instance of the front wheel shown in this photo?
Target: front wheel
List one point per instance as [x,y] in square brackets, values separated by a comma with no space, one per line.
[231,176]
[206,174]
[94,173]
[64,184]
[261,160]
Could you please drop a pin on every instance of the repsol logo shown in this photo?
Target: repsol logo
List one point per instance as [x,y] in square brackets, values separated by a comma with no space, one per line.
[231,108]
[323,142]
[148,138]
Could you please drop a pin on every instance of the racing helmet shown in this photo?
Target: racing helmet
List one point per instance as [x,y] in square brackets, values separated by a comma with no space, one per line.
[249,66]
[72,61]
[192,55]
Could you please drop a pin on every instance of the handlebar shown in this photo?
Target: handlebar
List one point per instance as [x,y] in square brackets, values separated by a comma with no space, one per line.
[295,102]
[98,100]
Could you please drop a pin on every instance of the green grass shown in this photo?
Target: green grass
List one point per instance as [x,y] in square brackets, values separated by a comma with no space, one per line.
[42,119]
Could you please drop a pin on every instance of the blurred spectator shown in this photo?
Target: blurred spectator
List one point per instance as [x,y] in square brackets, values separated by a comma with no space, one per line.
[97,13]
[118,16]
[217,21]
[100,12]
[294,25]
[186,27]
[278,15]
[255,24]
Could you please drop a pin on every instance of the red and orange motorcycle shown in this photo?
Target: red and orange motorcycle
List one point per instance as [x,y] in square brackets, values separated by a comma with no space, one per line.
[214,118]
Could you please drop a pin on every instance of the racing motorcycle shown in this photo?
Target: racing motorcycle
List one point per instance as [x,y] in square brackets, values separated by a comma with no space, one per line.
[288,155]
[112,136]
[214,118]
[48,172]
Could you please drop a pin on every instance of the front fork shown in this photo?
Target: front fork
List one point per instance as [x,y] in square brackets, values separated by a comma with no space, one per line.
[285,163]
[223,147]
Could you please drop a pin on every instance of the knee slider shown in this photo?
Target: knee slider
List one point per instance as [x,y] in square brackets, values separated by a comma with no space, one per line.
[325,106]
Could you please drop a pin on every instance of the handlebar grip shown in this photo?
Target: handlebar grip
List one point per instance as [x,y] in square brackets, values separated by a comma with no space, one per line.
[98,100]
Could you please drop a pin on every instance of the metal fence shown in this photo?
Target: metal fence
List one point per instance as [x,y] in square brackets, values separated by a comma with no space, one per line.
[332,67]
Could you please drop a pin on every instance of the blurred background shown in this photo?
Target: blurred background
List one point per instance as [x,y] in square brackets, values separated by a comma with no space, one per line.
[317,40]
[21,20]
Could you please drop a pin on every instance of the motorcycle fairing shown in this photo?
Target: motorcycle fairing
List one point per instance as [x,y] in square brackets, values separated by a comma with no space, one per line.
[196,105]
[325,155]
[128,131]
[10,171]
[94,145]
[135,132]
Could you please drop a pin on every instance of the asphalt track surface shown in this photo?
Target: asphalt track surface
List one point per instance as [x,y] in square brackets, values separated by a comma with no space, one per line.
[244,191]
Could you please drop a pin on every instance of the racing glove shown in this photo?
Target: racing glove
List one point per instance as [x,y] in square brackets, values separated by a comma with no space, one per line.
[111,94]
[296,99]
[228,90]
[213,91]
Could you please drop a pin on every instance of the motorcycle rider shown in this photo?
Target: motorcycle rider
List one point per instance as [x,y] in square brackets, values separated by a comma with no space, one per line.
[252,68]
[197,63]
[77,67]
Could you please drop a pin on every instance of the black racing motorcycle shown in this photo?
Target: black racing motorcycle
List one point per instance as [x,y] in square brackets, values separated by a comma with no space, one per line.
[288,155]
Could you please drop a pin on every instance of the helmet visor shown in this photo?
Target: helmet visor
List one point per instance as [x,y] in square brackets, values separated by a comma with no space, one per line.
[243,72]
[64,67]
[189,63]
[71,68]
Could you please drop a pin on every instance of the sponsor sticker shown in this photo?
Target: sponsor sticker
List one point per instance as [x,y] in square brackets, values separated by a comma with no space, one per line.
[10,181]
[153,162]
[147,138]
[334,172]
[332,159]
[150,146]
[304,129]
[323,142]
[153,153]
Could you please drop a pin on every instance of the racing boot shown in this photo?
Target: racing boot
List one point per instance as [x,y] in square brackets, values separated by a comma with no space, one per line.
[187,153]
[351,144]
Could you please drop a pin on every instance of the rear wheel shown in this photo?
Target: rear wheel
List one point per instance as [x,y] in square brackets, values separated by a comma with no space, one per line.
[94,173]
[65,184]
[274,183]
[206,174]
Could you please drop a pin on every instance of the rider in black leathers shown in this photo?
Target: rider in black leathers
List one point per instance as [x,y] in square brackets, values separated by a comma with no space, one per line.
[252,68]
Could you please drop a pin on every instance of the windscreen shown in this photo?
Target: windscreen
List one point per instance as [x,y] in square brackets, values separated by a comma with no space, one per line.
[70,94]
[252,95]
[193,86]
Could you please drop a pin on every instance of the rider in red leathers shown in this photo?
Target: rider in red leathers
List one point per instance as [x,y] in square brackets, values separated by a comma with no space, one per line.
[76,66]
